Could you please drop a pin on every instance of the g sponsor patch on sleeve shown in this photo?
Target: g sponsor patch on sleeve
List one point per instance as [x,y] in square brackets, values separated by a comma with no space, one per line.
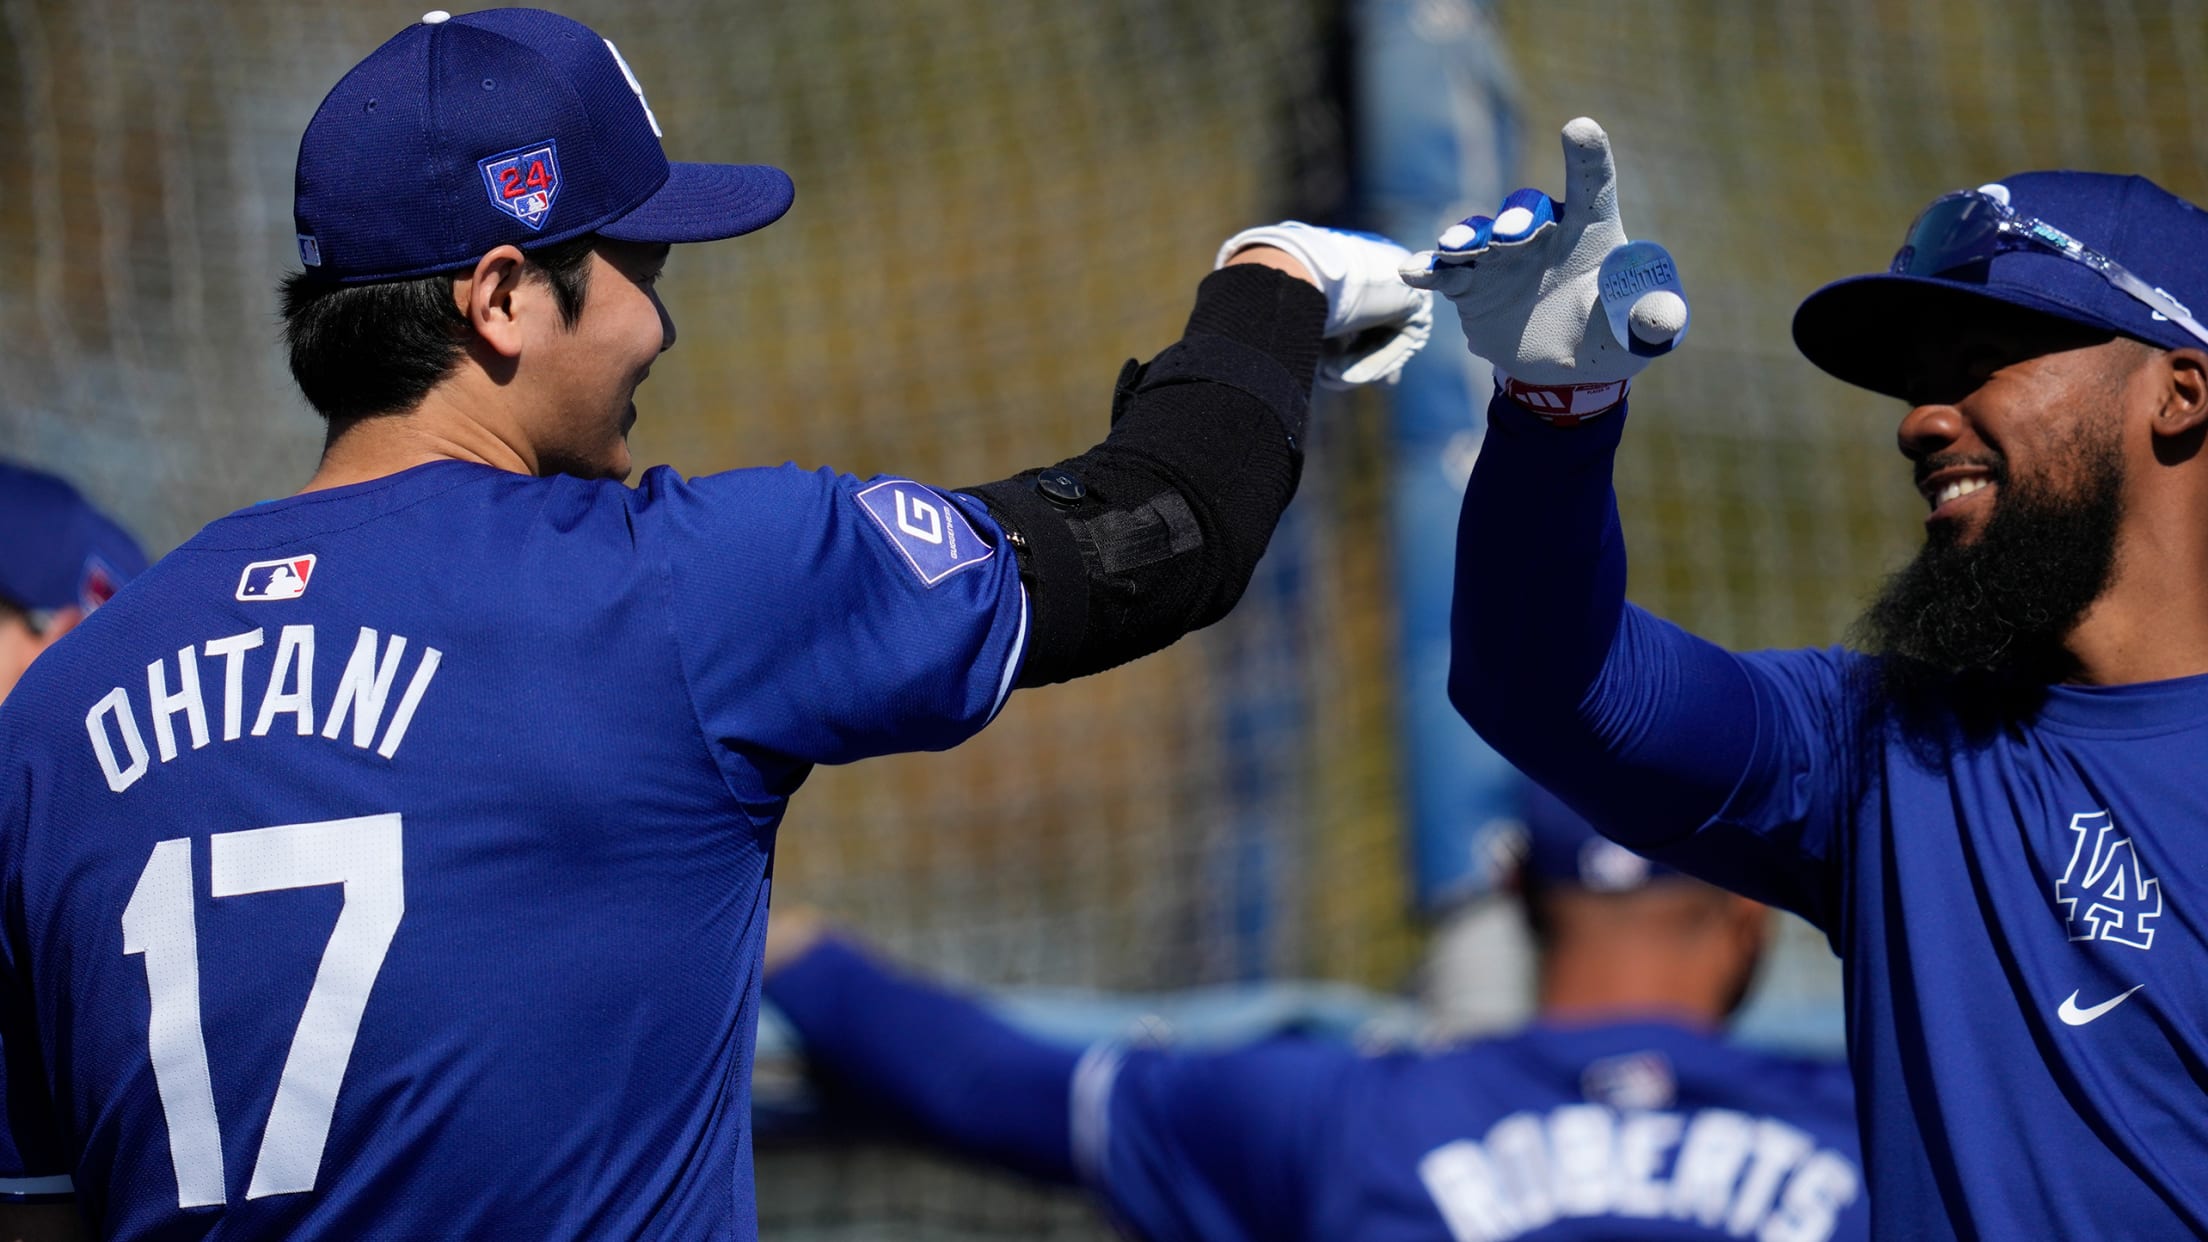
[928,531]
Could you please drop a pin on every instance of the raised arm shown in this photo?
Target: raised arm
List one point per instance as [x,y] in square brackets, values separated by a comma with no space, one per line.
[1646,729]
[1154,532]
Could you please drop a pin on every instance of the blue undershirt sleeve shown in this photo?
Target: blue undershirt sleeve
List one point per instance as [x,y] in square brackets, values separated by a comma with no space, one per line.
[927,1058]
[1226,1146]
[1717,763]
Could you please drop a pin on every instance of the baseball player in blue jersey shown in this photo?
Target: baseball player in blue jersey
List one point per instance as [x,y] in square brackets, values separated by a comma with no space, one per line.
[391,860]
[1993,804]
[60,558]
[1619,1114]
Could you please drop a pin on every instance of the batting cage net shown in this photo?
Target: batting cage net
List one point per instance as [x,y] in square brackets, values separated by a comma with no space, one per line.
[997,203]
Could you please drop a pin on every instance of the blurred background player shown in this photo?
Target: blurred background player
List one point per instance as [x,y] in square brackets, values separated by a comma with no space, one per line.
[523,734]
[60,558]
[1621,1112]
[1990,802]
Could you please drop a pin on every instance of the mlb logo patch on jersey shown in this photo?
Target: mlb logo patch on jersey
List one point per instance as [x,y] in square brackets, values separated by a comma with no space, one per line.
[284,579]
[524,182]
[1637,1081]
[928,531]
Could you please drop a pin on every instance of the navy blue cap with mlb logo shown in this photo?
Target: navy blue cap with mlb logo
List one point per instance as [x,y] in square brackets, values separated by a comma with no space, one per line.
[509,126]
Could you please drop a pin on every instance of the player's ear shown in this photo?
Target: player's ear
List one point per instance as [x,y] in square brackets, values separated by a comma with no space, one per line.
[2181,378]
[486,297]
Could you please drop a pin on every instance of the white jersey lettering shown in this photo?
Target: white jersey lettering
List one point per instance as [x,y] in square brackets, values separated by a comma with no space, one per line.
[294,658]
[1748,1176]
[1709,1163]
[362,692]
[1643,1139]
[364,687]
[116,706]
[1813,1200]
[232,650]
[187,700]
[1581,1138]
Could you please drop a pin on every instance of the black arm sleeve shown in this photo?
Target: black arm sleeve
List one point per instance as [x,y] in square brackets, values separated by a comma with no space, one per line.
[1155,532]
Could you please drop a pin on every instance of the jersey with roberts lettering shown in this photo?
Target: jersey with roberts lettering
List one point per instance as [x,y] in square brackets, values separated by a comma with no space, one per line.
[391,861]
[1552,1134]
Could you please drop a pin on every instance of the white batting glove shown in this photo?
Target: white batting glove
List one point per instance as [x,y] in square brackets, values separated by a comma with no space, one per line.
[1374,321]
[1553,295]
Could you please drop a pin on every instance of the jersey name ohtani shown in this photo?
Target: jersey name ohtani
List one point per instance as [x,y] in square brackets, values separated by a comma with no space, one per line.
[179,692]
[1751,1176]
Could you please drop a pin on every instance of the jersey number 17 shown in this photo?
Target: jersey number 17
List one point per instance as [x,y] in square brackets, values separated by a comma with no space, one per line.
[364,856]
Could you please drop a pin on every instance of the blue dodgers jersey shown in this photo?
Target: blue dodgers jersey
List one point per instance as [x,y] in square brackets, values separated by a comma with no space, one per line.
[1553,1134]
[392,861]
[2021,915]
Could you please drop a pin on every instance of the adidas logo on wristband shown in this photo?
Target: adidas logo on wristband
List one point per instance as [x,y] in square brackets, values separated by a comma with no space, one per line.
[1563,404]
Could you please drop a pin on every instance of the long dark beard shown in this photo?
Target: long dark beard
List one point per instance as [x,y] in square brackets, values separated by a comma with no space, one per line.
[1980,627]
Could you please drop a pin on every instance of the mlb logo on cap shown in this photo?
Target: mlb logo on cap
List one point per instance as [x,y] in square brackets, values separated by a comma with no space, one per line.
[284,579]
[523,183]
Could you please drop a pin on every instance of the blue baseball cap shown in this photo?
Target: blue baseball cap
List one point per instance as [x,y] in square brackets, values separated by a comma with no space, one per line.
[509,126]
[56,550]
[1866,329]
[1563,850]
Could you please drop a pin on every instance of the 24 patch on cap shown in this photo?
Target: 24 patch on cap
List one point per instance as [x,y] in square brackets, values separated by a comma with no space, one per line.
[524,182]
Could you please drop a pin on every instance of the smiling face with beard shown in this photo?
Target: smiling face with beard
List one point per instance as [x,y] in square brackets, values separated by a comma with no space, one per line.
[2017,441]
[1995,609]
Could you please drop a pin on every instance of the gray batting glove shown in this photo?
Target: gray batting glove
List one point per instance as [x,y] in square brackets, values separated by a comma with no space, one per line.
[1374,321]
[1553,295]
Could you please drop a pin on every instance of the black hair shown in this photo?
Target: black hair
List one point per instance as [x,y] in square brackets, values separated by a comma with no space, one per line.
[359,351]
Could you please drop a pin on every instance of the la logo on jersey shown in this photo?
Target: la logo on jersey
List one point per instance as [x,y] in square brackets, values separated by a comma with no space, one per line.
[523,182]
[928,531]
[2105,893]
[284,579]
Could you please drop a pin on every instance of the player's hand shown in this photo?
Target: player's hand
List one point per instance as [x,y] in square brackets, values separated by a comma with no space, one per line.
[1374,321]
[1553,295]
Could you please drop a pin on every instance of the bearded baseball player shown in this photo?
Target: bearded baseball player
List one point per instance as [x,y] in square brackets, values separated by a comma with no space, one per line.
[1620,1114]
[1993,805]
[391,861]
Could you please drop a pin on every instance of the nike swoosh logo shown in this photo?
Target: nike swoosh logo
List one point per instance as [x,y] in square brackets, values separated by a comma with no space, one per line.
[2075,1016]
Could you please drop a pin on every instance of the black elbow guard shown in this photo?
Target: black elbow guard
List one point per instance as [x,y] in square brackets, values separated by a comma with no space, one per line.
[1155,532]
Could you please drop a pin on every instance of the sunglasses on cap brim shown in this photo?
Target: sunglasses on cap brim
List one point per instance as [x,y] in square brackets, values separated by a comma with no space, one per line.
[1972,226]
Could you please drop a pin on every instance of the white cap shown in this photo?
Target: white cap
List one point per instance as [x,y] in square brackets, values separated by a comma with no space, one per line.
[436,17]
